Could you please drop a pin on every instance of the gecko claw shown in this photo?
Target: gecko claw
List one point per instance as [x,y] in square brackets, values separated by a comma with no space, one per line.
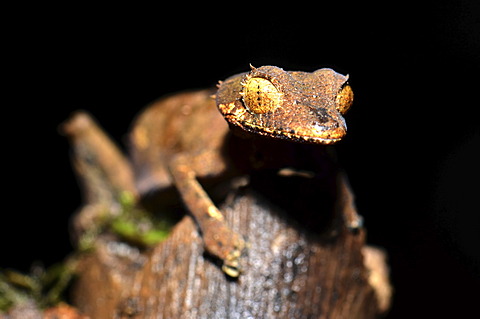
[231,264]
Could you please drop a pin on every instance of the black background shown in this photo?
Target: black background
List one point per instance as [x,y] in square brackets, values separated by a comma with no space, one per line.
[411,152]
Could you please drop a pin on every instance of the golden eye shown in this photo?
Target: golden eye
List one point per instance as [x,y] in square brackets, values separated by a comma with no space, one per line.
[344,99]
[261,96]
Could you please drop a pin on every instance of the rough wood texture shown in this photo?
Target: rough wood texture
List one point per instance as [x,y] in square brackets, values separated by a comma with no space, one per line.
[288,273]
[304,260]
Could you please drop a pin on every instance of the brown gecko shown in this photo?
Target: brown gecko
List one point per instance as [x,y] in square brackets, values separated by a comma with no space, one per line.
[274,120]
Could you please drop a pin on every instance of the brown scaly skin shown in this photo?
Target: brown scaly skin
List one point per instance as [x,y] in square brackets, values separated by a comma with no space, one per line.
[297,106]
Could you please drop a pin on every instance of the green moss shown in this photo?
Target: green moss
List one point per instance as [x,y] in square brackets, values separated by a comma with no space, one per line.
[137,226]
[131,224]
[45,287]
[136,234]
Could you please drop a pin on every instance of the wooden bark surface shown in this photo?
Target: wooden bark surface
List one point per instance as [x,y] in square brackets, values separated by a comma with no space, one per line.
[304,260]
[287,273]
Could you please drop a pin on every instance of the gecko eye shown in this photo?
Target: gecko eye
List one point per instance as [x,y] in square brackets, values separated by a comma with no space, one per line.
[344,99]
[261,96]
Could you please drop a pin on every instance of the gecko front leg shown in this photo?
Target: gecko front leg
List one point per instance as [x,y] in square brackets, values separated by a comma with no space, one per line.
[219,240]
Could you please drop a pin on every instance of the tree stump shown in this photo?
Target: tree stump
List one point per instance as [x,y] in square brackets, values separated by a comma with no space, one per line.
[306,255]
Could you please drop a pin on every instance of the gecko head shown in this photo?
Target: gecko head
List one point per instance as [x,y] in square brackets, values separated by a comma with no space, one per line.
[298,106]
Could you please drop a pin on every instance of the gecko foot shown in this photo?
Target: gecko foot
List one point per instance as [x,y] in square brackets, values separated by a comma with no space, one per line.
[225,244]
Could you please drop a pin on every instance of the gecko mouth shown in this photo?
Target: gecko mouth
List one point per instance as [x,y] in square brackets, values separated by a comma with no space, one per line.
[315,134]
